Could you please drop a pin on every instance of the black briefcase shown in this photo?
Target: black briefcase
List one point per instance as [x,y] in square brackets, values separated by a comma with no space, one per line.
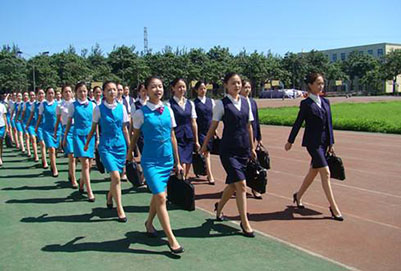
[199,164]
[336,167]
[99,164]
[133,173]
[181,193]
[216,146]
[256,176]
[9,143]
[263,156]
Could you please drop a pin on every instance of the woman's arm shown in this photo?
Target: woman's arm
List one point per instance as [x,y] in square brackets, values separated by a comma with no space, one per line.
[209,135]
[177,162]
[67,129]
[30,118]
[195,132]
[55,127]
[88,139]
[297,125]
[133,141]
[37,123]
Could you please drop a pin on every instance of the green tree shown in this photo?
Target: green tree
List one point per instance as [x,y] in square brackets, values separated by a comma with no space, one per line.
[296,67]
[392,66]
[13,70]
[45,71]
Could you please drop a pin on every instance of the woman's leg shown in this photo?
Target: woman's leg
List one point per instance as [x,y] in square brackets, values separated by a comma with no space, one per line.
[21,141]
[161,209]
[240,190]
[227,194]
[310,176]
[28,144]
[325,176]
[71,169]
[115,189]
[43,151]
[85,177]
[53,165]
[35,148]
[15,135]
[209,173]
[151,215]
[187,167]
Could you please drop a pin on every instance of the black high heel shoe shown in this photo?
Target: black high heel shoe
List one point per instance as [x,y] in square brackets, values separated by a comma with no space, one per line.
[122,219]
[176,251]
[151,234]
[256,196]
[250,234]
[295,200]
[221,217]
[338,218]
[109,205]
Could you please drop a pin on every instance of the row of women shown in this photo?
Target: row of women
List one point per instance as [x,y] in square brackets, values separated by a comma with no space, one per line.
[165,134]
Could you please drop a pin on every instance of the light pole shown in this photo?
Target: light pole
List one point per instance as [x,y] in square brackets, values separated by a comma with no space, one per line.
[33,66]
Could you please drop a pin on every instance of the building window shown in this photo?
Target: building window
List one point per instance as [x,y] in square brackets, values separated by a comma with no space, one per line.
[334,57]
[370,52]
[342,56]
[379,52]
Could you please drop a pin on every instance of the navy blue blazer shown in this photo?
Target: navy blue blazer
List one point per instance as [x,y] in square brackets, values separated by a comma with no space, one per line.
[316,122]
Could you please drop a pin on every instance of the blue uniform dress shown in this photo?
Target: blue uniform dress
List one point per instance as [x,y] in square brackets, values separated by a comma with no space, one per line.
[49,122]
[28,110]
[204,112]
[69,145]
[11,107]
[17,117]
[138,105]
[255,123]
[83,114]
[8,113]
[318,134]
[234,146]
[40,126]
[3,110]
[112,147]
[157,159]
[183,130]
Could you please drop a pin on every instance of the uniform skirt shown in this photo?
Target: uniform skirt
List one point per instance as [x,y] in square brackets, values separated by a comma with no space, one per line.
[69,145]
[79,143]
[234,166]
[18,125]
[49,140]
[31,130]
[113,157]
[318,156]
[2,131]
[157,173]
[40,134]
[185,149]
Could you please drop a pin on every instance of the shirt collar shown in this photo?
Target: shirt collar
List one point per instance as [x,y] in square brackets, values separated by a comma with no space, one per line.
[153,106]
[315,98]
[110,106]
[202,99]
[178,100]
[233,100]
[83,102]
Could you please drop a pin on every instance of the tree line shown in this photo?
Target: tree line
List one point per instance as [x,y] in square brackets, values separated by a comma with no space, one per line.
[130,67]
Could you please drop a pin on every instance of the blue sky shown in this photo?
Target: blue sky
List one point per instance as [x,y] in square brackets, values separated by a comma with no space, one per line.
[279,26]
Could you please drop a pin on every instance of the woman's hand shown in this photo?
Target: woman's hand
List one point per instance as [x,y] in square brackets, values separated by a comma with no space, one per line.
[179,169]
[203,150]
[331,149]
[86,146]
[129,156]
[253,154]
[288,146]
[197,146]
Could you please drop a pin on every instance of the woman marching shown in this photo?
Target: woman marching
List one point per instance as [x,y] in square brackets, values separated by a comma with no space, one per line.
[40,95]
[236,146]
[11,108]
[318,140]
[204,111]
[3,129]
[97,95]
[257,136]
[156,122]
[28,110]
[186,131]
[47,113]
[67,139]
[18,124]
[81,112]
[142,99]
[113,143]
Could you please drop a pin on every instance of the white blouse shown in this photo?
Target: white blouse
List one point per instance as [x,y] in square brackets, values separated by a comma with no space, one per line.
[138,118]
[218,110]
[96,113]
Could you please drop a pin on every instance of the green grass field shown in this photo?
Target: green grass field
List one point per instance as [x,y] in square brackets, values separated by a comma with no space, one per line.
[380,117]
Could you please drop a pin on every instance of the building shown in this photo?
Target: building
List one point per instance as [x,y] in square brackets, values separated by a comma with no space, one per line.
[376,50]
